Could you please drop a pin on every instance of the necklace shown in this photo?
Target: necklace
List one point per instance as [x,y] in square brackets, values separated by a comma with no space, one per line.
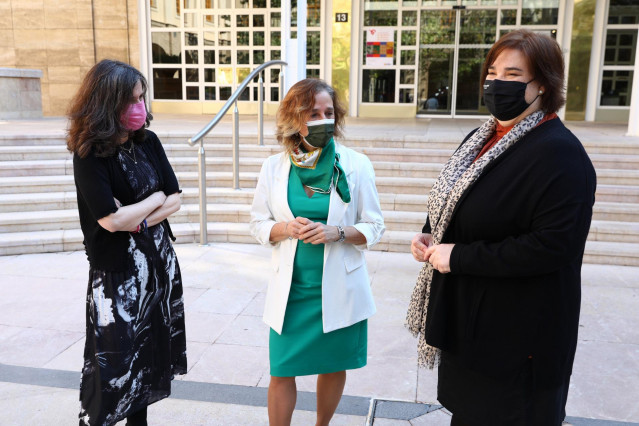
[130,151]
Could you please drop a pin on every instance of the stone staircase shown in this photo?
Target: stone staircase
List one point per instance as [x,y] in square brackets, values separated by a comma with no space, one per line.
[38,211]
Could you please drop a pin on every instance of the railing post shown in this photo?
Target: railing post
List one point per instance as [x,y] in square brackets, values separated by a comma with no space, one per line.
[202,185]
[260,119]
[281,94]
[236,147]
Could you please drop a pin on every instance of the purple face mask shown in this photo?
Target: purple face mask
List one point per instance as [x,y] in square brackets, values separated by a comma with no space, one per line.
[134,116]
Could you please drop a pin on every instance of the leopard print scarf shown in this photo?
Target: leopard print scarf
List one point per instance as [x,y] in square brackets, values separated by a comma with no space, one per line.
[458,174]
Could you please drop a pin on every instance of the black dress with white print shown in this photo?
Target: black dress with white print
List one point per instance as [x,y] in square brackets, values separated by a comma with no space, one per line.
[135,320]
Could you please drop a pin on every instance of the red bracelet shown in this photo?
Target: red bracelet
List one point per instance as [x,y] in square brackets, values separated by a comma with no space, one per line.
[137,230]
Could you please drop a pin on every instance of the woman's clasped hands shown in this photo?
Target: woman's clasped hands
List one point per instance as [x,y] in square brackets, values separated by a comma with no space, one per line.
[311,232]
[438,255]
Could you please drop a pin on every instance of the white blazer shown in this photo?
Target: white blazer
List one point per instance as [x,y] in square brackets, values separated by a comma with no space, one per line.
[346,293]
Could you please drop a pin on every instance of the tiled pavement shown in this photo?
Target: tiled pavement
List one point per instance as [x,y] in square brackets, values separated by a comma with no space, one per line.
[42,324]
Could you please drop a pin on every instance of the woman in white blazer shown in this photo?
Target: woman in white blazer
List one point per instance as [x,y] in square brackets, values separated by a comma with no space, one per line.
[317,206]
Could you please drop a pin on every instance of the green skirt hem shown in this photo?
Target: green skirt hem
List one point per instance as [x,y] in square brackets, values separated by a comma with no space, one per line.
[313,370]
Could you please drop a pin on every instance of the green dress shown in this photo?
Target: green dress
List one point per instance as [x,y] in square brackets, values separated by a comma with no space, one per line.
[303,348]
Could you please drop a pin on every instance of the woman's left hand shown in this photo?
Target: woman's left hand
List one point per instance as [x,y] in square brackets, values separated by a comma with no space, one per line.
[439,256]
[318,233]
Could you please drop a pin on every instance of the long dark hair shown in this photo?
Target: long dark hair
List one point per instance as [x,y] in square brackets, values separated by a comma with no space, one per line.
[94,116]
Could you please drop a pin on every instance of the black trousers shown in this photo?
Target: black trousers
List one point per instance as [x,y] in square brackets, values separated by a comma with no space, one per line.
[477,400]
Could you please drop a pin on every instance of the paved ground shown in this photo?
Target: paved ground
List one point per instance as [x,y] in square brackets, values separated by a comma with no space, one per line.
[42,324]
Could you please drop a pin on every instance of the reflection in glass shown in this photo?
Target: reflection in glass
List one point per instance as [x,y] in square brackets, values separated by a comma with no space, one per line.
[407,57]
[508,16]
[190,39]
[276,3]
[313,48]
[193,93]
[510,2]
[276,55]
[478,27]
[258,57]
[258,20]
[190,20]
[243,57]
[437,27]
[312,73]
[474,2]
[209,93]
[258,38]
[275,75]
[313,13]
[209,56]
[407,77]
[435,81]
[225,93]
[190,4]
[192,75]
[243,38]
[259,4]
[166,48]
[225,57]
[615,88]
[409,38]
[208,38]
[409,3]
[406,96]
[190,57]
[242,73]
[241,4]
[621,46]
[225,21]
[380,13]
[468,99]
[536,12]
[225,76]
[378,86]
[409,18]
[225,38]
[276,19]
[167,83]
[276,38]
[429,2]
[275,94]
[623,12]
[225,4]
[242,20]
[209,75]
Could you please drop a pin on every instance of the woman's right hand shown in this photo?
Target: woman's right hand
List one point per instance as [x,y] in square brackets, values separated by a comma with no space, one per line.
[419,244]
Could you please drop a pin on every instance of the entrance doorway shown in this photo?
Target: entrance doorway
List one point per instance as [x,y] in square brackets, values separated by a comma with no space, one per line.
[453,45]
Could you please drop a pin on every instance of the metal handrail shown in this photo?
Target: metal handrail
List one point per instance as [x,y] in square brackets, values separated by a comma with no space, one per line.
[199,137]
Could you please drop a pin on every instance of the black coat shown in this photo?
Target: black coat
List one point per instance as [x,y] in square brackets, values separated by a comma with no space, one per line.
[519,231]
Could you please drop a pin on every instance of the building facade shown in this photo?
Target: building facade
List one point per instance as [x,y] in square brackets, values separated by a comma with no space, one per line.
[398,58]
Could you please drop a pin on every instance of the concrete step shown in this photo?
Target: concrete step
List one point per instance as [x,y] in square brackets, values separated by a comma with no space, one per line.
[599,252]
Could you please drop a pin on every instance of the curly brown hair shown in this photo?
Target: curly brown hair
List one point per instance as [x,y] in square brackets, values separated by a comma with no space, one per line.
[94,115]
[296,108]
[545,60]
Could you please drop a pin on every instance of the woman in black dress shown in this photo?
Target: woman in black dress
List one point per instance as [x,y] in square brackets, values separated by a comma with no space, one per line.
[498,299]
[126,188]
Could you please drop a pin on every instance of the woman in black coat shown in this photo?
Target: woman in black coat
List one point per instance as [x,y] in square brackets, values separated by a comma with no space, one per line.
[126,189]
[496,305]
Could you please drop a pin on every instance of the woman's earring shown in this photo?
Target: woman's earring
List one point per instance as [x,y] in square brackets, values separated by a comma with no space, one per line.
[541,92]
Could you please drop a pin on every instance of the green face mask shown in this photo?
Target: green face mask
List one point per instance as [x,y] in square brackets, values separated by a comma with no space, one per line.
[320,132]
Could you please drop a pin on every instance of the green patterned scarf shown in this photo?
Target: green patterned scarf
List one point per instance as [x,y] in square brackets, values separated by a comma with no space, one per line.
[320,170]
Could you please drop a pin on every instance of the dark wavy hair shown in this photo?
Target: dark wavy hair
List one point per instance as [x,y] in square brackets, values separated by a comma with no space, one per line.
[296,106]
[94,115]
[545,60]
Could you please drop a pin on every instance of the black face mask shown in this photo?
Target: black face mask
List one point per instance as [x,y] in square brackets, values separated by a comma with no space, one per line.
[506,99]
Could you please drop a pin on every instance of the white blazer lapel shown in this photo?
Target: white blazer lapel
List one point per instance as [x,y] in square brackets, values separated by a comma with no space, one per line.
[281,209]
[337,208]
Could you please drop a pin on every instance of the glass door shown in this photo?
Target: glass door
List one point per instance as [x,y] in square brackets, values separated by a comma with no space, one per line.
[453,45]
